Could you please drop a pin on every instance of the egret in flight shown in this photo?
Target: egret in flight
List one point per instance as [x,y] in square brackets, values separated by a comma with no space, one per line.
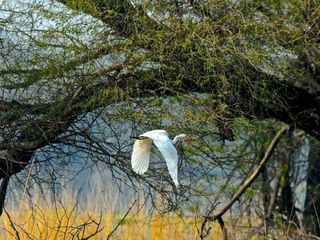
[141,151]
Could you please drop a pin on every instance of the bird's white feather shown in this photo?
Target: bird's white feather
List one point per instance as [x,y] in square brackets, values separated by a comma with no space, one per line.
[141,155]
[155,134]
[141,152]
[170,154]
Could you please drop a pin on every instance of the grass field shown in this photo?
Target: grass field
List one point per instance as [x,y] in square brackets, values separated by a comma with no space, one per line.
[107,217]
[70,223]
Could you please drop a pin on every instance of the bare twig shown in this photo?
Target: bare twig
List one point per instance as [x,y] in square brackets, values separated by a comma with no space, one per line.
[203,233]
[273,199]
[3,192]
[223,228]
[12,224]
[119,223]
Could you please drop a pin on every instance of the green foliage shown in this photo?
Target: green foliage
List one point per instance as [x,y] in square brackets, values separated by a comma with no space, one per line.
[123,221]
[193,208]
[283,173]
[211,51]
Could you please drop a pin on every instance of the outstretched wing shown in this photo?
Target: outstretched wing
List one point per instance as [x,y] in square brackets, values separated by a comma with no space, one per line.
[170,154]
[141,155]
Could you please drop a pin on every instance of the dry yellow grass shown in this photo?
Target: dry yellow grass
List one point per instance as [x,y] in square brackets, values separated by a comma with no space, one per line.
[71,223]
[60,219]
[59,222]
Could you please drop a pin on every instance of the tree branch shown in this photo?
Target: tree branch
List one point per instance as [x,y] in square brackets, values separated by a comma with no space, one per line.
[223,228]
[10,106]
[33,75]
[3,192]
[120,15]
[122,219]
[247,183]
[57,118]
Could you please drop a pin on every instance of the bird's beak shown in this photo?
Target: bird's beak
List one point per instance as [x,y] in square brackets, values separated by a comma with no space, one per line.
[139,138]
[188,138]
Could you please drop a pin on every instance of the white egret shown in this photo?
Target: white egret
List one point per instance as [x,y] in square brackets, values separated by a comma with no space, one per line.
[141,151]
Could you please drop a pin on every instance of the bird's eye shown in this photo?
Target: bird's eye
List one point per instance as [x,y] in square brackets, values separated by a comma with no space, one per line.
[142,137]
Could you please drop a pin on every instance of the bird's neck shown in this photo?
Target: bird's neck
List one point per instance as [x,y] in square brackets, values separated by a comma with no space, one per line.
[177,139]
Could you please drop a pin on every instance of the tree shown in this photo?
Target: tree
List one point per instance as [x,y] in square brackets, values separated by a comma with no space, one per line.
[230,50]
[312,198]
[233,59]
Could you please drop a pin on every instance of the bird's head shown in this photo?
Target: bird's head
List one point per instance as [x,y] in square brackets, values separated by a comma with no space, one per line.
[182,137]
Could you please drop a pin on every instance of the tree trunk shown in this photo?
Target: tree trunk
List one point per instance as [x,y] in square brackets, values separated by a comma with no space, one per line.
[312,203]
[286,204]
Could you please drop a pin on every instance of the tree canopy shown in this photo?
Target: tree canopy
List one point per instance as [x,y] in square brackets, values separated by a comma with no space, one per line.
[252,59]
